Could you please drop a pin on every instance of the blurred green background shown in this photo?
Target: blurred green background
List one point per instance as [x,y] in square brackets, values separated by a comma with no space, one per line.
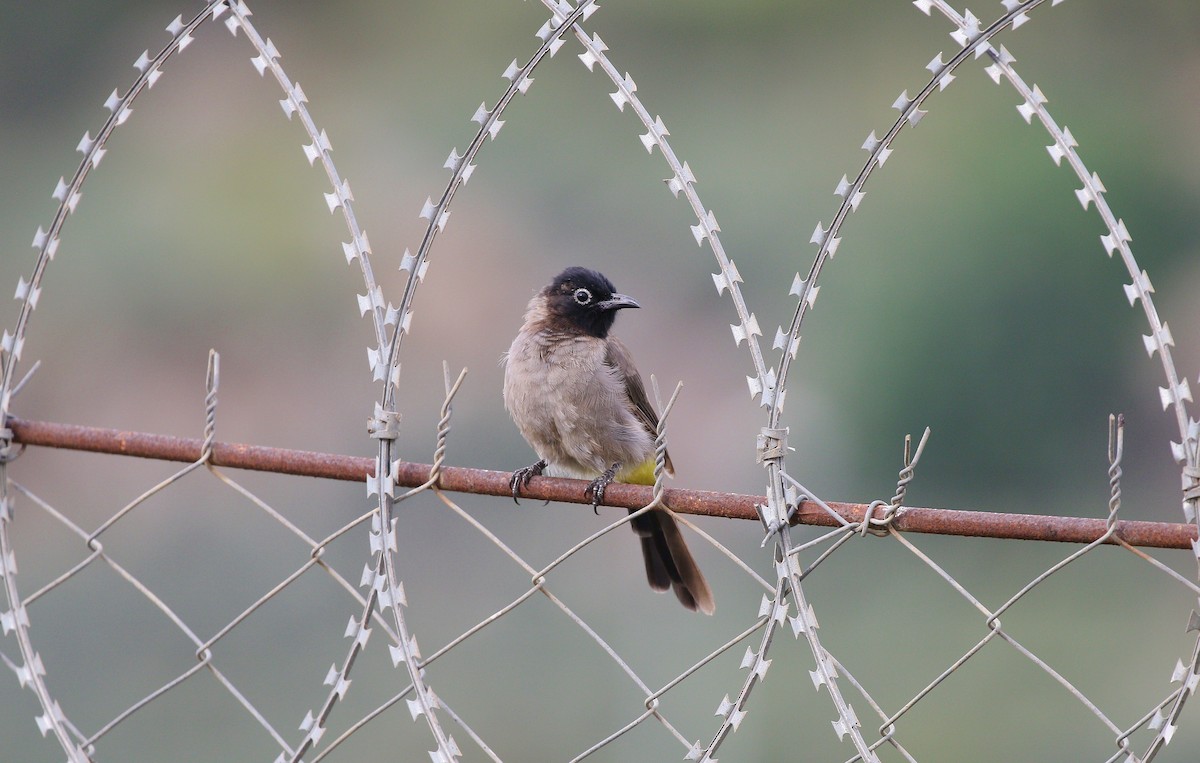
[969,294]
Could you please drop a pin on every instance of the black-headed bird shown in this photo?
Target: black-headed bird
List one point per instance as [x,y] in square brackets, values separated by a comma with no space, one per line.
[572,389]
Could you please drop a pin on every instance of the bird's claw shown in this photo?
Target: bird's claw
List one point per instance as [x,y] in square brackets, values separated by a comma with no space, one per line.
[595,489]
[520,478]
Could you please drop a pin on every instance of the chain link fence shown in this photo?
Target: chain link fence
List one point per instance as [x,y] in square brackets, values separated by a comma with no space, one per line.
[432,623]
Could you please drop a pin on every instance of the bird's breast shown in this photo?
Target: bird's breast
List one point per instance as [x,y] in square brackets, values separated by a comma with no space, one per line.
[570,406]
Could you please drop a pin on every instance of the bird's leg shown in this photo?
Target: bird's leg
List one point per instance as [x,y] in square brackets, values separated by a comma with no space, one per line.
[596,487]
[520,478]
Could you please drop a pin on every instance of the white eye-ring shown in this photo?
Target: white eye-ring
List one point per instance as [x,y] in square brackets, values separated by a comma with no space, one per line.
[583,296]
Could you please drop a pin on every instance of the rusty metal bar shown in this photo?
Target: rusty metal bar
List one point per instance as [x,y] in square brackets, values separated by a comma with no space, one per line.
[486,482]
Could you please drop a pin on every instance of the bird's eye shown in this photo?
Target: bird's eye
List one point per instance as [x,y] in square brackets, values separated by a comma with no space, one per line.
[583,296]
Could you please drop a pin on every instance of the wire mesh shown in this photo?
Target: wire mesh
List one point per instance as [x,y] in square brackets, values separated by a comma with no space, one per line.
[376,549]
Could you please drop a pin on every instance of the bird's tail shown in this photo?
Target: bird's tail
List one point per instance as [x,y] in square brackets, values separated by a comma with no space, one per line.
[669,563]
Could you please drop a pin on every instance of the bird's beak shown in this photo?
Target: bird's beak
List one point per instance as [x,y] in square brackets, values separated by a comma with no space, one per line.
[617,302]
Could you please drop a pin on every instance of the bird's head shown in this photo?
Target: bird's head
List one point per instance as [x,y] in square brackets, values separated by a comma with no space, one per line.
[584,300]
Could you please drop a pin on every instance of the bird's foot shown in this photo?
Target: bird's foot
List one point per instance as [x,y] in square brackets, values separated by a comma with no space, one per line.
[520,478]
[595,489]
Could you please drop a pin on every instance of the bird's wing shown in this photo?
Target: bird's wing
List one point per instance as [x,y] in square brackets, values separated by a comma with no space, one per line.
[617,356]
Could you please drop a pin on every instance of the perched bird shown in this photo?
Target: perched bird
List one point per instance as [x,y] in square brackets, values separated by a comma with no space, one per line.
[573,391]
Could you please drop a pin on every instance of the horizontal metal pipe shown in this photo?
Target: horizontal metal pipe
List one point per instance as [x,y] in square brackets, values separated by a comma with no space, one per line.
[486,482]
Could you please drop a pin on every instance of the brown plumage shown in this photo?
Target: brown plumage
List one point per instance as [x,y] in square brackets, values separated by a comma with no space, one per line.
[574,393]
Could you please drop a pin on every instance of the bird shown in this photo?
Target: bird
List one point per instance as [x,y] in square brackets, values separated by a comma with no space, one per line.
[575,394]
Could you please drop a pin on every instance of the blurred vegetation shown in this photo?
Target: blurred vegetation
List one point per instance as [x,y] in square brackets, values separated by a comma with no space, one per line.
[970,294]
